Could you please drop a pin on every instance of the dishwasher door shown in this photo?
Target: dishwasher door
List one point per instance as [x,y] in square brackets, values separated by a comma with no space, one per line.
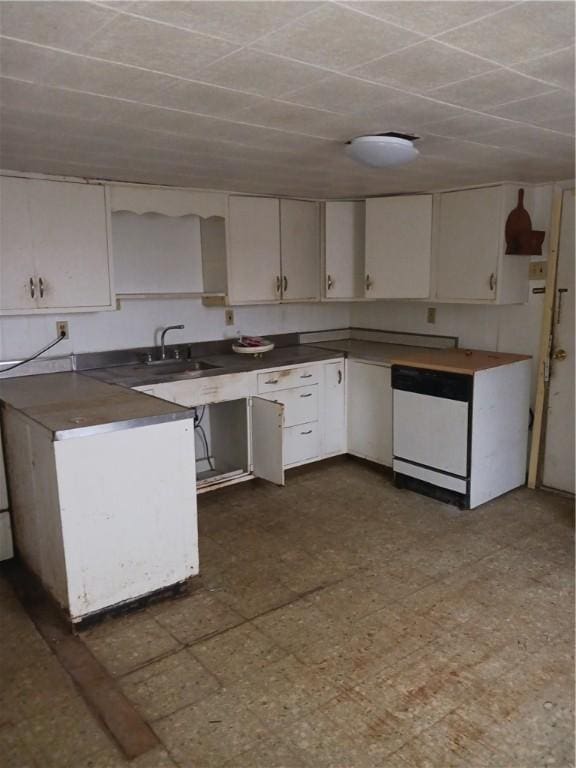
[431,431]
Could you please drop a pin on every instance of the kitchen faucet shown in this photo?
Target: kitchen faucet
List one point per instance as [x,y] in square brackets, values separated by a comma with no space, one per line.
[162,337]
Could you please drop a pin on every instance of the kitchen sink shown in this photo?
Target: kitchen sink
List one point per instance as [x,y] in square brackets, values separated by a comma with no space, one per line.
[168,367]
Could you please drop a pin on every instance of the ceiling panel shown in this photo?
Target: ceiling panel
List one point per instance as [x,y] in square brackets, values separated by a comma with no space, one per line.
[424,66]
[337,38]
[240,22]
[260,73]
[556,68]
[130,40]
[61,25]
[492,89]
[429,17]
[262,97]
[523,31]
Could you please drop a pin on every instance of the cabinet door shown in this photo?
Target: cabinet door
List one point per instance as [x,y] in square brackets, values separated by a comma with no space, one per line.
[369,398]
[398,247]
[300,250]
[18,285]
[344,224]
[334,411]
[3,486]
[468,244]
[253,249]
[268,440]
[71,242]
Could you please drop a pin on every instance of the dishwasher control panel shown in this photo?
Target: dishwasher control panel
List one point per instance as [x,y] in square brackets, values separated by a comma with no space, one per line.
[423,381]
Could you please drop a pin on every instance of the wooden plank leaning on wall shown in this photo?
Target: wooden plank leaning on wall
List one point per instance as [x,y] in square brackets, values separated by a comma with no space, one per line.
[546,339]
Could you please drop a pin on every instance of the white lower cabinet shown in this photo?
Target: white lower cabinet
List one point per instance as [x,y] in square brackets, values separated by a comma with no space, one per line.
[369,411]
[301,443]
[334,409]
[109,517]
[258,424]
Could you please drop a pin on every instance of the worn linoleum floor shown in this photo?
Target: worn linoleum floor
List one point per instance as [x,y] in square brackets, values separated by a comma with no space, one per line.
[338,622]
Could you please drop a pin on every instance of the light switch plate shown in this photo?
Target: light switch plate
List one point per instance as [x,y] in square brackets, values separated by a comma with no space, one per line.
[537,270]
[431,315]
[229,315]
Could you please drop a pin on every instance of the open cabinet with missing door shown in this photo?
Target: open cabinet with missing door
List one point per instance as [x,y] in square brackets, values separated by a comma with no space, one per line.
[239,439]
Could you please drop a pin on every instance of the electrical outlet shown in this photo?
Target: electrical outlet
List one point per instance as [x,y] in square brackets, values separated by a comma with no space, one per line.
[537,270]
[229,315]
[62,329]
[431,315]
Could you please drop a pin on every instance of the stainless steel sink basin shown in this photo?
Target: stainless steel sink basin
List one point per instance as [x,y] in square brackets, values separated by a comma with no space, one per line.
[167,367]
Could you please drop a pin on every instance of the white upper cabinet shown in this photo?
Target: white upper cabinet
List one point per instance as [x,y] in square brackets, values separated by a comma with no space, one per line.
[54,246]
[17,258]
[253,249]
[398,247]
[344,224]
[300,250]
[470,260]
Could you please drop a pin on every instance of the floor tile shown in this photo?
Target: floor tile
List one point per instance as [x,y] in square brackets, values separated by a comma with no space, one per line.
[128,642]
[237,653]
[196,616]
[163,686]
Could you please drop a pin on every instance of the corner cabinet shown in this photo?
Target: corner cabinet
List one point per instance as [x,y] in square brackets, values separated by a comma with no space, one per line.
[343,249]
[398,247]
[369,406]
[54,247]
[470,260]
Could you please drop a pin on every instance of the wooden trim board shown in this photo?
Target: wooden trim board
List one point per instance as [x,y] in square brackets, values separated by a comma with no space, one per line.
[97,687]
[538,427]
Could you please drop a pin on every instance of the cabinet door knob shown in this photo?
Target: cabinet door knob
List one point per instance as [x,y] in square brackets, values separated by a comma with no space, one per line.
[285,283]
[369,283]
[32,288]
[278,284]
[329,282]
[339,377]
[41,286]
[492,281]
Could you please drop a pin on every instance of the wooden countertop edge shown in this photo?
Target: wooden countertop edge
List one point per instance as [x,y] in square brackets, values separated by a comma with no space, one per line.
[455,367]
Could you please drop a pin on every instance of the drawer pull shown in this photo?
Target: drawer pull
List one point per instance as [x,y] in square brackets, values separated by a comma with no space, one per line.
[309,394]
[306,376]
[271,381]
[308,432]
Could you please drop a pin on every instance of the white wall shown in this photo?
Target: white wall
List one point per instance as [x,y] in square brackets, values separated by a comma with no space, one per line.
[138,322]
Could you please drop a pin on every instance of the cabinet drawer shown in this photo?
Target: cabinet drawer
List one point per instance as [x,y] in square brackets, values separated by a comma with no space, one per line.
[288,378]
[300,404]
[301,443]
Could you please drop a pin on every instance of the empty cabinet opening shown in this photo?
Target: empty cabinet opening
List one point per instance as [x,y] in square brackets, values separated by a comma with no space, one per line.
[221,432]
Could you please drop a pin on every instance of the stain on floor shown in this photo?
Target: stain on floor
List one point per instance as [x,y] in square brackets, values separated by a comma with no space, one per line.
[339,622]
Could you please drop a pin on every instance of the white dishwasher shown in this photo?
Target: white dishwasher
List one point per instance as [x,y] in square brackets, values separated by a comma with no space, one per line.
[432,426]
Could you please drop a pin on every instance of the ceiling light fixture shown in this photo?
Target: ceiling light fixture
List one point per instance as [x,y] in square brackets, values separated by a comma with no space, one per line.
[383,150]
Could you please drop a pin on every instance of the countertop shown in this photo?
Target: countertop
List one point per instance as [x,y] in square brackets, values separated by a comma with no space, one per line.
[102,400]
[467,361]
[372,351]
[140,375]
[72,405]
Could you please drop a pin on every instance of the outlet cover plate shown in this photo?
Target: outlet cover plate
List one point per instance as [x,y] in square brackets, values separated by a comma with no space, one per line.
[537,270]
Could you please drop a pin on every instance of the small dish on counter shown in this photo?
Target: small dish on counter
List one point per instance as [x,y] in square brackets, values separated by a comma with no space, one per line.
[252,345]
